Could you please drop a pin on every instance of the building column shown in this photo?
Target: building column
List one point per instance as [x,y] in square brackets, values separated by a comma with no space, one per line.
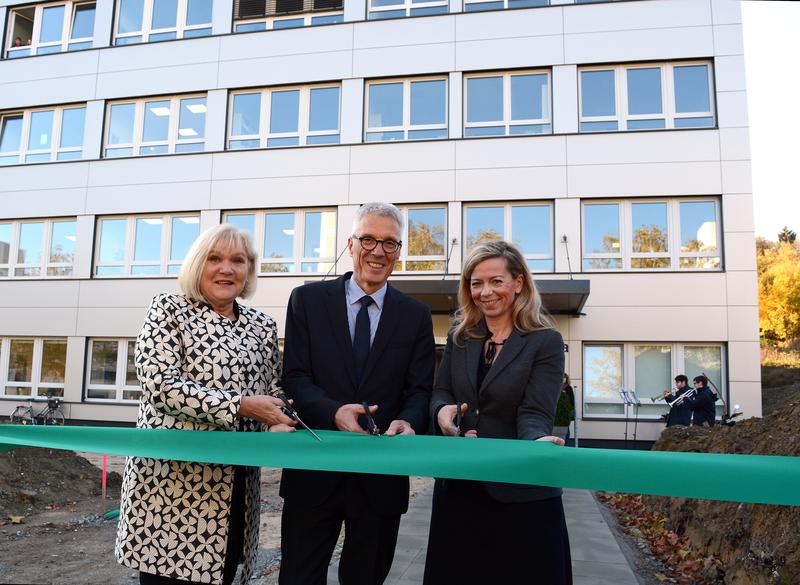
[352,111]
[93,130]
[454,231]
[216,110]
[103,23]
[455,89]
[222,17]
[84,241]
[565,94]
[74,373]
[355,10]
[456,6]
[344,227]
[209,218]
[567,223]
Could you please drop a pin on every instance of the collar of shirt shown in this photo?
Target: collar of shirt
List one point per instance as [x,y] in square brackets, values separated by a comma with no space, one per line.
[355,292]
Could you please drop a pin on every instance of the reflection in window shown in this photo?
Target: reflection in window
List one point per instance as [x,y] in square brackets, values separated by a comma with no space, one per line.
[652,240]
[479,5]
[148,21]
[382,9]
[425,247]
[111,370]
[646,97]
[42,135]
[50,28]
[35,367]
[602,380]
[291,241]
[145,245]
[37,249]
[287,116]
[156,126]
[406,110]
[507,104]
[527,226]
[255,15]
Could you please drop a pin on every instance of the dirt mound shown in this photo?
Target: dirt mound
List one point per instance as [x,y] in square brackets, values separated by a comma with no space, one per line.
[759,544]
[33,479]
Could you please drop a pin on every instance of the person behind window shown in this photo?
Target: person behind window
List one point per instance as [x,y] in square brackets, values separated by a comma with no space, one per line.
[679,413]
[504,363]
[18,42]
[204,362]
[704,413]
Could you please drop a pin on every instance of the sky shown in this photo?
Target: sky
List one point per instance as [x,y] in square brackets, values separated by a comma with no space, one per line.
[771,50]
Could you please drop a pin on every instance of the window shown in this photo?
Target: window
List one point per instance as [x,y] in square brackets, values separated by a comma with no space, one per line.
[290,240]
[156,126]
[148,21]
[529,226]
[646,96]
[253,15]
[50,28]
[32,367]
[153,245]
[476,5]
[650,234]
[286,116]
[410,109]
[380,9]
[111,371]
[425,247]
[648,368]
[503,104]
[37,249]
[41,135]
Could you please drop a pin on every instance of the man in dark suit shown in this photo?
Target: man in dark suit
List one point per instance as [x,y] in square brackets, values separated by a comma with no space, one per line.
[350,341]
[702,404]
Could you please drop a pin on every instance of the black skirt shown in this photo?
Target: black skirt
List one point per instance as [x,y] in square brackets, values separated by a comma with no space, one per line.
[476,539]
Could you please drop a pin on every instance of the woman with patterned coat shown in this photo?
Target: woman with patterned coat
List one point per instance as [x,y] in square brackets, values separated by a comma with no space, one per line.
[204,363]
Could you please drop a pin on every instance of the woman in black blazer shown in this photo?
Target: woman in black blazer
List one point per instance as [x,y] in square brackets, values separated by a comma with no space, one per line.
[503,363]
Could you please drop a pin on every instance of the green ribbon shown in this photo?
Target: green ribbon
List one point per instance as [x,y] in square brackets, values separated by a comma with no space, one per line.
[740,478]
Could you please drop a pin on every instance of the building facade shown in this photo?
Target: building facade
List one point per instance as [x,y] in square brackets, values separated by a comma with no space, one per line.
[609,140]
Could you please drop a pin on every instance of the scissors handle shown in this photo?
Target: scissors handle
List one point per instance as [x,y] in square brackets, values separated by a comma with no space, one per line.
[372,428]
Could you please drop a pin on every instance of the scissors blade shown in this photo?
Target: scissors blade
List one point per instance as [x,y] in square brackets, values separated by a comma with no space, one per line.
[306,427]
[293,414]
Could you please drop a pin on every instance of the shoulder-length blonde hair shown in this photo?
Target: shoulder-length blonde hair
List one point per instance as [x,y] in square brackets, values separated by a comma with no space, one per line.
[528,314]
[223,235]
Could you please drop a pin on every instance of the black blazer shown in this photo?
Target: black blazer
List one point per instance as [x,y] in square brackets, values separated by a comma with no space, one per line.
[319,374]
[517,399]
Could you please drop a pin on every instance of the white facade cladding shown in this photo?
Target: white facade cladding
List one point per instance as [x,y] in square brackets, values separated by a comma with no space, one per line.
[609,139]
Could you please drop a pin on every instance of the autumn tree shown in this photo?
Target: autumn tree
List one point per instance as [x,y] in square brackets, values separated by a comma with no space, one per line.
[779,293]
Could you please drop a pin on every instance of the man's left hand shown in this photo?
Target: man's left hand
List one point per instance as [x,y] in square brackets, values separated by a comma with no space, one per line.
[399,427]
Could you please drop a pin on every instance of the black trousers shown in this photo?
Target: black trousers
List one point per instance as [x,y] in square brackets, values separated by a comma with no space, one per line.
[235,547]
[474,539]
[309,535]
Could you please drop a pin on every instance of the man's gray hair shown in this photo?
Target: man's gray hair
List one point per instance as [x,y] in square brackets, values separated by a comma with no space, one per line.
[380,209]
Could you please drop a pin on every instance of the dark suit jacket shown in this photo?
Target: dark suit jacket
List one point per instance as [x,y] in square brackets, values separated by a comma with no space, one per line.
[517,399]
[319,374]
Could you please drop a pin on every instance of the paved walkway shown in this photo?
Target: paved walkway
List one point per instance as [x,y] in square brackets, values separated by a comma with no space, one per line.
[596,557]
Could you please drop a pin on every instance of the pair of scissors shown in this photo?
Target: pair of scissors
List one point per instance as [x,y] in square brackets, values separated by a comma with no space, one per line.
[457,425]
[289,411]
[372,428]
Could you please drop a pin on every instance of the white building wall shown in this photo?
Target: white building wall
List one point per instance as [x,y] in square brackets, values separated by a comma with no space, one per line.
[566,167]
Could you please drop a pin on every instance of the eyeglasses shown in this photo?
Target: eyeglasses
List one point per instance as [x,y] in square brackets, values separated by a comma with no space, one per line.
[369,244]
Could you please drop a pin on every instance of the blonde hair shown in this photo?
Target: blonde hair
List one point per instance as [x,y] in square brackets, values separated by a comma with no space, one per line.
[220,235]
[528,315]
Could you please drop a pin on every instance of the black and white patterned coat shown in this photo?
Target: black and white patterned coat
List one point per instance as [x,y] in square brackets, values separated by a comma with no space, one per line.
[194,366]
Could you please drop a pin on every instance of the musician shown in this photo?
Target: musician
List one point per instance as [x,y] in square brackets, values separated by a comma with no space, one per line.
[679,414]
[704,413]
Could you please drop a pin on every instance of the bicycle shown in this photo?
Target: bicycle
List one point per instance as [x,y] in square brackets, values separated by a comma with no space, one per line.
[51,414]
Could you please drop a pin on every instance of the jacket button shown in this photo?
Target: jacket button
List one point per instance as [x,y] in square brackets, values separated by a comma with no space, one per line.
[477,412]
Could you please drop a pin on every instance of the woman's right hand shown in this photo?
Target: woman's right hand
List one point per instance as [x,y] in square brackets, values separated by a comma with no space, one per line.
[446,419]
[266,409]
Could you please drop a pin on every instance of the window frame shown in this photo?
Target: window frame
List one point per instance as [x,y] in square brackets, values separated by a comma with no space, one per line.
[647,411]
[405,257]
[508,234]
[407,6]
[37,358]
[173,138]
[505,4]
[259,227]
[507,122]
[406,126]
[120,386]
[146,31]
[675,255]
[303,120]
[44,264]
[129,263]
[269,21]
[70,7]
[55,135]
[668,114]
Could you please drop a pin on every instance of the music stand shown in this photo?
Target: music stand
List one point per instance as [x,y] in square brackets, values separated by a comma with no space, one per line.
[634,399]
[625,401]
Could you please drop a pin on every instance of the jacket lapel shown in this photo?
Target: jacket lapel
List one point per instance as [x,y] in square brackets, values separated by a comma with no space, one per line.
[511,348]
[474,353]
[337,313]
[390,317]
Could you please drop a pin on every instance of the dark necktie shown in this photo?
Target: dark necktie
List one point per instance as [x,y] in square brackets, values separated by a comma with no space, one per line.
[361,336]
